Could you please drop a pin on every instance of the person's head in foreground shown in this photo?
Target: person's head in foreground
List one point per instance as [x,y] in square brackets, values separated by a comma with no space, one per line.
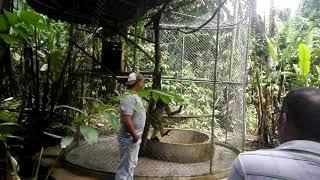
[298,156]
[135,81]
[300,115]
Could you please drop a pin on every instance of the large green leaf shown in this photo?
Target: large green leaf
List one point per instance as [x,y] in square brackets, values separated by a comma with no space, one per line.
[6,116]
[304,59]
[272,50]
[41,25]
[166,99]
[112,119]
[32,18]
[98,108]
[4,26]
[143,93]
[66,141]
[155,96]
[7,38]
[80,119]
[27,16]
[11,17]
[21,32]
[177,98]
[89,133]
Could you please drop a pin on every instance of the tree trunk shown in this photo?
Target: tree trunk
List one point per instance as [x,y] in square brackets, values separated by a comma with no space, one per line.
[157,54]
[156,84]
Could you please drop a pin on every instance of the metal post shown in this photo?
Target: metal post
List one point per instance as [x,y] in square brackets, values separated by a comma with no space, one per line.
[182,61]
[234,37]
[212,149]
[182,55]
[244,109]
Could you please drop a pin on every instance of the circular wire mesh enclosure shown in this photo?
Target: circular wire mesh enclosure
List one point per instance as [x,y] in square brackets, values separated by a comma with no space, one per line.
[204,52]
[206,65]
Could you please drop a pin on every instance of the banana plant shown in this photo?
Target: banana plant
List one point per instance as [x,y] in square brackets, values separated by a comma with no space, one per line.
[17,27]
[293,43]
[304,64]
[79,129]
[302,69]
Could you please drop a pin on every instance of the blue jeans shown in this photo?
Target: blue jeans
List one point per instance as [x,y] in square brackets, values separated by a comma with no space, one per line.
[129,152]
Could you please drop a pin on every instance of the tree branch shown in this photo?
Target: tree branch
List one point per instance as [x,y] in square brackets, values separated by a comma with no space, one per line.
[137,46]
[208,21]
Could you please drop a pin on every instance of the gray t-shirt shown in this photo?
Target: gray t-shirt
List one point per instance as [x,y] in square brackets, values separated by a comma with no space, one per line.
[131,104]
[298,159]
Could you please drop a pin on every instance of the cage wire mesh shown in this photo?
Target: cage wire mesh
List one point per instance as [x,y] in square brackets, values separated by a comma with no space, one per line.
[189,63]
[208,69]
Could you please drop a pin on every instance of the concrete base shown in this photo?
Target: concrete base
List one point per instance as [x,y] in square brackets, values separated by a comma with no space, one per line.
[103,157]
[67,174]
[99,161]
[181,145]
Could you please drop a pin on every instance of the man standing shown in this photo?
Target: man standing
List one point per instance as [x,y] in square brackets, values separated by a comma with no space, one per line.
[298,156]
[132,117]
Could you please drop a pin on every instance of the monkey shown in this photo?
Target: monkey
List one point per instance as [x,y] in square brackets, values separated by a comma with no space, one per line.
[156,118]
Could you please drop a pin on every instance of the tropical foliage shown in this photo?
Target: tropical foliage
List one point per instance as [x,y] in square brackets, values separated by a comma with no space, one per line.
[280,62]
[54,90]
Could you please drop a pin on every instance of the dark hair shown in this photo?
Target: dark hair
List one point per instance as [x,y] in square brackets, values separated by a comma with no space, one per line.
[303,109]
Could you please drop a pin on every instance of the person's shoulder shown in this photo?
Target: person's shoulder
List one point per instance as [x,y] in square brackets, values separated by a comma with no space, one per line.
[127,97]
[130,98]
[269,158]
[278,164]
[262,153]
[136,97]
[258,157]
[258,152]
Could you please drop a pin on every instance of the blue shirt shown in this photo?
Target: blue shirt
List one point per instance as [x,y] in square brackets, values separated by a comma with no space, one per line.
[298,159]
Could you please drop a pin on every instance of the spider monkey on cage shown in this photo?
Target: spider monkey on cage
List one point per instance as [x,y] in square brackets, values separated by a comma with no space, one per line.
[156,118]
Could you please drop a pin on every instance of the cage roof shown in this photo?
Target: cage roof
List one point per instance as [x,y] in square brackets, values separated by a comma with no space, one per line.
[111,14]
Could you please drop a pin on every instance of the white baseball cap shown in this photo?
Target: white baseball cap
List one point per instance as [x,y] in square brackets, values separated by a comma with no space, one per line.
[133,78]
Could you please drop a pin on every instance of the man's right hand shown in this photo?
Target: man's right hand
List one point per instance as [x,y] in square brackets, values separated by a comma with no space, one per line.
[135,138]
